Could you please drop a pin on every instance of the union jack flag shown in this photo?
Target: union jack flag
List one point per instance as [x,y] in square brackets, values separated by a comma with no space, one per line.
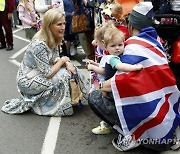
[147,101]
[98,55]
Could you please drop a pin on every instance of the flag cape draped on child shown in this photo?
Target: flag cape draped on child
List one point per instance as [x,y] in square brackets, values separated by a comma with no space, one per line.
[147,101]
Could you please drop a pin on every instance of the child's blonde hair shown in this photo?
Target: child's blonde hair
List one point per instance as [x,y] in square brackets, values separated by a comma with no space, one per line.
[113,33]
[117,12]
[25,4]
[116,7]
[100,30]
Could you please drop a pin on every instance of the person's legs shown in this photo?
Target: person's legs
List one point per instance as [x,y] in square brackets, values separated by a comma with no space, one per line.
[104,108]
[6,23]
[90,52]
[2,37]
[69,37]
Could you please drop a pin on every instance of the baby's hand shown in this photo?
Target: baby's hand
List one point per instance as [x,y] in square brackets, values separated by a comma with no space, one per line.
[90,67]
[89,62]
[139,66]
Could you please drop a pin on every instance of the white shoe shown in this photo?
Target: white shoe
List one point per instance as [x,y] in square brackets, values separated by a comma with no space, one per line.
[103,129]
[124,143]
[177,138]
[73,51]
[85,60]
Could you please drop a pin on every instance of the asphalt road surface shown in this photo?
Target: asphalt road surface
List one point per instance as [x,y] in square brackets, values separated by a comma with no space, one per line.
[28,133]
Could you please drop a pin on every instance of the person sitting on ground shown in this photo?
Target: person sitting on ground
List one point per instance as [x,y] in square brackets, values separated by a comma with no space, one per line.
[143,102]
[43,78]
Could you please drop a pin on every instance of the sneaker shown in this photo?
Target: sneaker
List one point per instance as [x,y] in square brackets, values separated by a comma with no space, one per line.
[73,51]
[124,143]
[103,129]
[177,138]
[85,60]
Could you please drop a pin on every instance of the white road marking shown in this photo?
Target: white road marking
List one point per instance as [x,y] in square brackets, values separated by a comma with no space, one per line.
[23,39]
[50,140]
[15,62]
[17,30]
[51,136]
[19,52]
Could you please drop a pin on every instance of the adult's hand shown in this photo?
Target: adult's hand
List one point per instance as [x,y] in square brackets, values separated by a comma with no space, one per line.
[50,7]
[70,67]
[106,86]
[65,59]
[10,16]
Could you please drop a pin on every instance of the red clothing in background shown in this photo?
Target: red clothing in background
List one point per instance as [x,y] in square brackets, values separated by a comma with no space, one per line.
[9,7]
[124,29]
[6,23]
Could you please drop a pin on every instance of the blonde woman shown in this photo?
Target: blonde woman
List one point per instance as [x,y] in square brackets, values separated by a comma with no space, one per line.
[43,78]
[28,17]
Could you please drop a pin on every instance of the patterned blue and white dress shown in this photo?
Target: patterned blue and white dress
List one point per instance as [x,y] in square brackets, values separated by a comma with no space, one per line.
[50,97]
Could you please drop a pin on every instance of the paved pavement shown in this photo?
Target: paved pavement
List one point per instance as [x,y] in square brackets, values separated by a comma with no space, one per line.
[31,134]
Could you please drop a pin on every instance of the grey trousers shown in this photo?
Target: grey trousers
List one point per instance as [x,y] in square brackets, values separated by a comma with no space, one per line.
[104,108]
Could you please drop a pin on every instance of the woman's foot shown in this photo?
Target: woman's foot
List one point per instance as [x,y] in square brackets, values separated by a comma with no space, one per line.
[103,129]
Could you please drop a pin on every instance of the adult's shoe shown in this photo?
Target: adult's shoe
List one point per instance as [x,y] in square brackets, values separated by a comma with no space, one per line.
[103,129]
[9,47]
[176,139]
[125,143]
[73,51]
[2,46]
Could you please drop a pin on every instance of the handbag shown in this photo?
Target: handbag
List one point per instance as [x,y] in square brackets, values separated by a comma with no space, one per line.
[83,19]
[75,91]
[79,23]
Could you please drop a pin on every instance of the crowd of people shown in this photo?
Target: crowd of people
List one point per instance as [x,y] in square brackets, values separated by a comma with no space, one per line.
[133,89]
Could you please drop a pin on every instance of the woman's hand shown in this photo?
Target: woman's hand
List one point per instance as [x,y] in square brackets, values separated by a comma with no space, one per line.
[50,7]
[64,59]
[10,15]
[70,67]
[33,24]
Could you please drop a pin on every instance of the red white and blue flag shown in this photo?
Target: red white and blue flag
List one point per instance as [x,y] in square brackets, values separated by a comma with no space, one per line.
[147,101]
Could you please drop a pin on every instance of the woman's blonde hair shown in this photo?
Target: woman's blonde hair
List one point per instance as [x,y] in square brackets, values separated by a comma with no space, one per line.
[100,30]
[113,33]
[51,17]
